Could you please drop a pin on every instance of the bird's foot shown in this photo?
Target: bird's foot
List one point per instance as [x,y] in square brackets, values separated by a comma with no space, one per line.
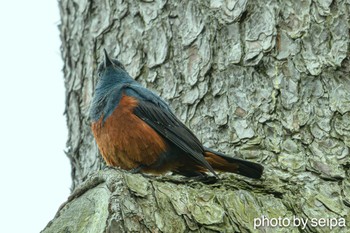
[136,169]
[205,179]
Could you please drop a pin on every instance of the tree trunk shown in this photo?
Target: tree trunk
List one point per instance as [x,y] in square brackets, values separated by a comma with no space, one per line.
[267,81]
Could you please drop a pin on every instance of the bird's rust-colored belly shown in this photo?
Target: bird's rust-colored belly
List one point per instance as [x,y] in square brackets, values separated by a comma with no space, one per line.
[125,140]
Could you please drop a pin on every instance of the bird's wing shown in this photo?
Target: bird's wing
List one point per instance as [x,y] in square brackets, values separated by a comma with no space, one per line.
[157,114]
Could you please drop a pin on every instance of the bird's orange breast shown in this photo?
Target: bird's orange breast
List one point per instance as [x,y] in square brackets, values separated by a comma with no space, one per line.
[125,140]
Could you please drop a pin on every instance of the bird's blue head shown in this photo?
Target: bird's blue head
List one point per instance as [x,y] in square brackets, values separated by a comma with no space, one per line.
[111,77]
[110,68]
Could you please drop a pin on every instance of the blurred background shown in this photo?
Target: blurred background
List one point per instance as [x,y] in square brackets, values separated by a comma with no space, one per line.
[35,172]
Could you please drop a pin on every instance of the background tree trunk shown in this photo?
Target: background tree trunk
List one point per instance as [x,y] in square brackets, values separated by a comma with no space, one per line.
[267,81]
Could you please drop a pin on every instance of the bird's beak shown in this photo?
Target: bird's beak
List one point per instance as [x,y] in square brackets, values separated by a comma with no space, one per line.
[107,61]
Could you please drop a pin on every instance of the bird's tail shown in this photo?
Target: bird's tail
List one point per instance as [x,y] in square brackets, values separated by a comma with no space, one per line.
[222,162]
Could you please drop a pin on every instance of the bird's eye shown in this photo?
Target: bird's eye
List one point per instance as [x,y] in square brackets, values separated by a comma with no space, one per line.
[99,70]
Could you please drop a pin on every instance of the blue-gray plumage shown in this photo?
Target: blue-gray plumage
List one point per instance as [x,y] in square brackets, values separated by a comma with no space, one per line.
[113,82]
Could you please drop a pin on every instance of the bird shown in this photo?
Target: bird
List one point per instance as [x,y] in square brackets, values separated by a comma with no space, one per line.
[136,130]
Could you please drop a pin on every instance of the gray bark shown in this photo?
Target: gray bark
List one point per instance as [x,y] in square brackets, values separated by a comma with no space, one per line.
[267,81]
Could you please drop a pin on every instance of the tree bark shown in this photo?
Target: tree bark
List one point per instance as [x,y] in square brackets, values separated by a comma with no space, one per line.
[267,81]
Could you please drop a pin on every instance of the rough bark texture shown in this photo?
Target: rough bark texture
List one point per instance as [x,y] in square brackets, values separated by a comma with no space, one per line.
[264,80]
